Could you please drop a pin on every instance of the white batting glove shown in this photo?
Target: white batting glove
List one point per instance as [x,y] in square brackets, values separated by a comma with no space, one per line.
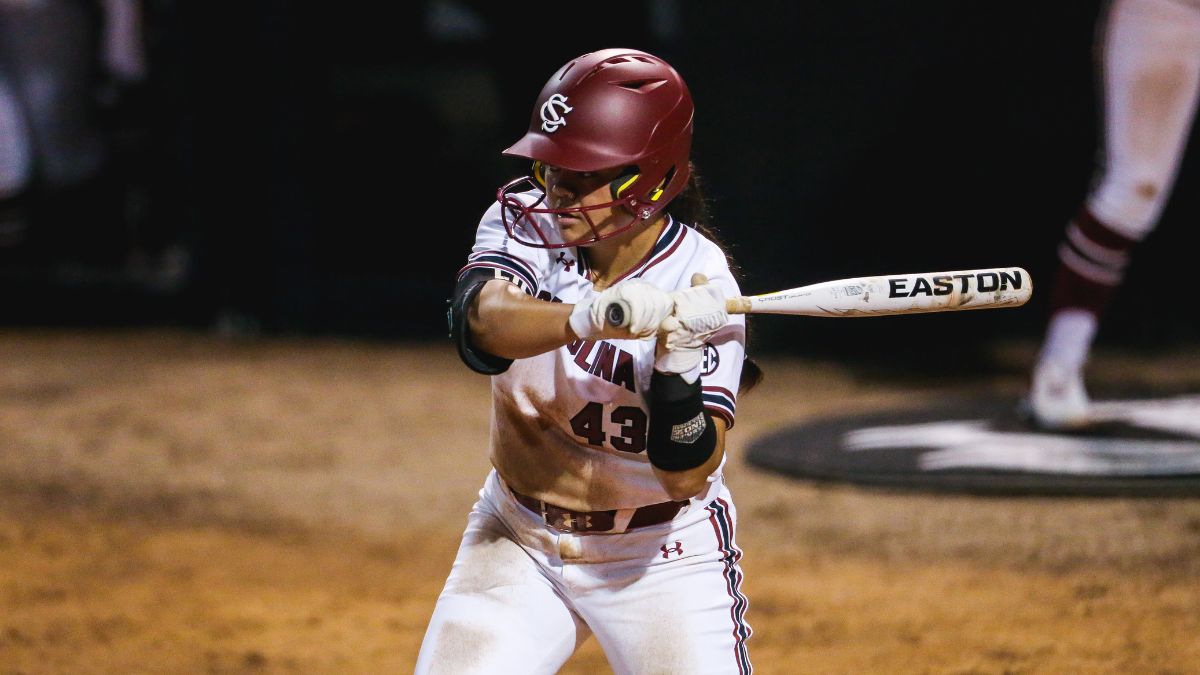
[673,356]
[646,307]
[699,312]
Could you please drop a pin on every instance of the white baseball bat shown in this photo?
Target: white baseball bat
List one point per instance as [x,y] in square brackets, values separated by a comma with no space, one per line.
[988,288]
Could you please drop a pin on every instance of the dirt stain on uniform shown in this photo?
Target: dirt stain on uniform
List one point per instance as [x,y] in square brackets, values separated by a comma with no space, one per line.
[460,648]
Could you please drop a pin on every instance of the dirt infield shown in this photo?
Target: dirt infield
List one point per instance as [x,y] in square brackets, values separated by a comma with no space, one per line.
[176,503]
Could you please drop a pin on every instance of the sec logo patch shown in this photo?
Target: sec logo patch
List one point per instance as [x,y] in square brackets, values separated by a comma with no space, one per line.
[712,359]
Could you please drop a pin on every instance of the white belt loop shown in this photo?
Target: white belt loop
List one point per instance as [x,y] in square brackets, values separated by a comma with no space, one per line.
[621,520]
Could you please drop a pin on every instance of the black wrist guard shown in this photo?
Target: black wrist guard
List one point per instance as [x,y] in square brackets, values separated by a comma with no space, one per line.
[681,433]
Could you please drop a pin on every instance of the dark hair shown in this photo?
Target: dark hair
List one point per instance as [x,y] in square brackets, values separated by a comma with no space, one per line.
[692,207]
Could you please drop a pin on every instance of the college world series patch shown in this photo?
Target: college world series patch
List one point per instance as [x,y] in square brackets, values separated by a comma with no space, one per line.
[1134,446]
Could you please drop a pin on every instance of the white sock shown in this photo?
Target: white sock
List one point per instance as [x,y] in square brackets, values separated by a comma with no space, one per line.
[1069,338]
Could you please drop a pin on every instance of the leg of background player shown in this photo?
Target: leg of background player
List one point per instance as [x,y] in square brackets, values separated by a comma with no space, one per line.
[16,156]
[16,164]
[1151,61]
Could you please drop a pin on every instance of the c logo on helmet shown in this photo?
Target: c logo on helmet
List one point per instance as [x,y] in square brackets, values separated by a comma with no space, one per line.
[552,113]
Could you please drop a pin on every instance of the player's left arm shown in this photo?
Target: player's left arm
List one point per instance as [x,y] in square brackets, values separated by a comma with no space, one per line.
[690,399]
[688,483]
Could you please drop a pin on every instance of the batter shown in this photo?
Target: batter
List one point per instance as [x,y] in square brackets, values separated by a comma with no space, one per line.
[605,513]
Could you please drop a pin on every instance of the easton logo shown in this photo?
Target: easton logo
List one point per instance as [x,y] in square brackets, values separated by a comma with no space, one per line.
[553,111]
[943,284]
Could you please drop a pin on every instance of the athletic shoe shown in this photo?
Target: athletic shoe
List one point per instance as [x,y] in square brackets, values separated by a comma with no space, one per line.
[1057,399]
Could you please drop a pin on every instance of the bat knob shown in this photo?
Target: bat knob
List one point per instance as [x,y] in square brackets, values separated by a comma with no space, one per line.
[616,314]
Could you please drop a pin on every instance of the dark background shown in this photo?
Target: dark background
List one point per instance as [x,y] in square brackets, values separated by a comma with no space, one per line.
[311,170]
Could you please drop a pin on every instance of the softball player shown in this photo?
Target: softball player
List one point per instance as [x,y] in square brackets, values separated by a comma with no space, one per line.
[1150,53]
[605,513]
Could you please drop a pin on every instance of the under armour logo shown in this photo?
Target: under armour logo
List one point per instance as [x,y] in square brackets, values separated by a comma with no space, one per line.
[566,262]
[677,549]
[552,113]
[571,523]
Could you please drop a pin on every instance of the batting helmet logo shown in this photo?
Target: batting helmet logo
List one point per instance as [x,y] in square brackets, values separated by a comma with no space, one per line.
[553,111]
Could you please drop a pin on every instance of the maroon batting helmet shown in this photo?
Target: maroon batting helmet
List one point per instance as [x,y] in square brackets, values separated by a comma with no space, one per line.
[607,109]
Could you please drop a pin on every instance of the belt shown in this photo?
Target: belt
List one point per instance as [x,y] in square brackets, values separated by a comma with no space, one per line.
[566,520]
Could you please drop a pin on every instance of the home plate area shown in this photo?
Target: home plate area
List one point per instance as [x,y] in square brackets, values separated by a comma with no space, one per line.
[1144,446]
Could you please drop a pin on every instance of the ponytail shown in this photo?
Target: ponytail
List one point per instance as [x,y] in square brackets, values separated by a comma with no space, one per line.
[691,206]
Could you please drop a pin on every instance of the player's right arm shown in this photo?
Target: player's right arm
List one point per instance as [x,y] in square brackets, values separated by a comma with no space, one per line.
[501,276]
[496,315]
[506,322]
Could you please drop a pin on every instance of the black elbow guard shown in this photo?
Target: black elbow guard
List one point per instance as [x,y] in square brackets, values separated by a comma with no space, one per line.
[681,432]
[465,292]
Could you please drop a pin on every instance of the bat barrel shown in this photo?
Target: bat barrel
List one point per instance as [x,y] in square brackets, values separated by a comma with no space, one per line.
[989,288]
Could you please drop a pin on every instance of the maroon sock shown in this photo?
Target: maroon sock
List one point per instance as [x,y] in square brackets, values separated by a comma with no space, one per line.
[1092,260]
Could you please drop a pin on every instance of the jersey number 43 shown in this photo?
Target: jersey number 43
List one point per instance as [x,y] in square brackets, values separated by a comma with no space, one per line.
[631,421]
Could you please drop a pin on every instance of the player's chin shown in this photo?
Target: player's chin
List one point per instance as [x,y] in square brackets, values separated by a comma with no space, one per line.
[574,228]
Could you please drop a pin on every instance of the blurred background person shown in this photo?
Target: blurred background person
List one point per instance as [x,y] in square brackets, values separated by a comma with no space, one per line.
[1148,53]
[56,59]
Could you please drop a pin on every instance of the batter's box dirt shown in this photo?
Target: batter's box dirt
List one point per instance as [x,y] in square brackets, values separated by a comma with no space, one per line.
[1136,446]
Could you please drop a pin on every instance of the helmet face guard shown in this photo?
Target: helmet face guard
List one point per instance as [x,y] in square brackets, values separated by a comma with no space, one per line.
[610,108]
[520,218]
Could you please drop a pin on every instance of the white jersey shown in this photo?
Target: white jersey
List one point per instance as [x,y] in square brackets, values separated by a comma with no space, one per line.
[569,426]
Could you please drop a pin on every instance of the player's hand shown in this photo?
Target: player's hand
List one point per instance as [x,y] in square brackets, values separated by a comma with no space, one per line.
[648,306]
[677,359]
[699,312]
